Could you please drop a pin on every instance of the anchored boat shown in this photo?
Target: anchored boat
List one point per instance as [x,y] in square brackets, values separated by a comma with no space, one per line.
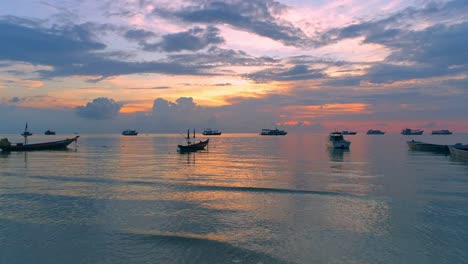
[192,146]
[409,132]
[5,145]
[337,141]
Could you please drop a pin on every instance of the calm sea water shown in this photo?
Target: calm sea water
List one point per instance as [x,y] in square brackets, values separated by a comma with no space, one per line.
[248,199]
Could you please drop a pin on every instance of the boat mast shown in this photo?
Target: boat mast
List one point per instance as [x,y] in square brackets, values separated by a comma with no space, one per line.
[194,133]
[26,133]
[188,136]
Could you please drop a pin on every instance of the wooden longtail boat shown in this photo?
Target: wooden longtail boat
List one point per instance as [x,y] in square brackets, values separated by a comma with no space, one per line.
[62,144]
[190,147]
[423,146]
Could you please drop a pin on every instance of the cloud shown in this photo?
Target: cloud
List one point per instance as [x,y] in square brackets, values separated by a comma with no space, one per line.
[295,73]
[256,16]
[16,99]
[73,50]
[99,109]
[138,35]
[194,39]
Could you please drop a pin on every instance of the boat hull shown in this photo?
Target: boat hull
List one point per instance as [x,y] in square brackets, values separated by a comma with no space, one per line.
[212,134]
[442,133]
[422,146]
[194,147]
[459,153]
[339,144]
[62,144]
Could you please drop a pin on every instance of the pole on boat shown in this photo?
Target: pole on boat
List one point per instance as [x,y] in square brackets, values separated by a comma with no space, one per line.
[194,133]
[25,133]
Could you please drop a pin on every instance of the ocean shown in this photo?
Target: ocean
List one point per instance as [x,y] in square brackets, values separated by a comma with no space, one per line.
[247,199]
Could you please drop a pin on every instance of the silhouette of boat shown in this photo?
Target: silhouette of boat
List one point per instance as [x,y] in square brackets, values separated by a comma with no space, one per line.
[346,132]
[409,132]
[375,132]
[192,146]
[273,132]
[442,132]
[459,151]
[337,141]
[5,145]
[26,133]
[423,146]
[129,132]
[49,132]
[210,132]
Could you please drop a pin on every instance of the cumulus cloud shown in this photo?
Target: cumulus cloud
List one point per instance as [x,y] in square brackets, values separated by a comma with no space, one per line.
[99,109]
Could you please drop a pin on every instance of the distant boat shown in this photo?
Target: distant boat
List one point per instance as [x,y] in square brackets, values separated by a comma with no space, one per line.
[6,146]
[192,147]
[49,132]
[346,132]
[337,141]
[423,146]
[273,132]
[408,132]
[129,132]
[210,132]
[26,133]
[459,151]
[375,132]
[442,132]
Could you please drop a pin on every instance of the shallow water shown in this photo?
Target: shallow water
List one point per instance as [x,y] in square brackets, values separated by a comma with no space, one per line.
[248,199]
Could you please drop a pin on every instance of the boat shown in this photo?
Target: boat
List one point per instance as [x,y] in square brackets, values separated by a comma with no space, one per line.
[442,132]
[273,132]
[26,133]
[375,132]
[459,151]
[346,132]
[337,141]
[408,132]
[6,146]
[210,132]
[129,132]
[192,146]
[423,146]
[49,132]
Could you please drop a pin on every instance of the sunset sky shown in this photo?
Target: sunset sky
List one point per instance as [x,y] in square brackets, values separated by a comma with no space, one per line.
[239,66]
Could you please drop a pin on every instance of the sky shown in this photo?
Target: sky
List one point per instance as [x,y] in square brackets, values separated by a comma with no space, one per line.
[239,66]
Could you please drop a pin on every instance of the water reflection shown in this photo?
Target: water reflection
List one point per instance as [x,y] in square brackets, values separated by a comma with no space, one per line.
[337,154]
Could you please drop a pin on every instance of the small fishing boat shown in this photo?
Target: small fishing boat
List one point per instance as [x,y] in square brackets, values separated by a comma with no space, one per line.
[346,132]
[26,133]
[273,132]
[442,132]
[192,146]
[129,132]
[459,152]
[337,141]
[375,132]
[423,146]
[49,132]
[411,132]
[210,132]
[5,145]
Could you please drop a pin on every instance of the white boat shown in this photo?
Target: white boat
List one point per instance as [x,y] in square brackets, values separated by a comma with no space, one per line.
[211,132]
[336,140]
[273,132]
[459,153]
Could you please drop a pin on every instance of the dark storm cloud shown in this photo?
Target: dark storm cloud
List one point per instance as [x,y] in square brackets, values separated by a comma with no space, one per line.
[295,73]
[74,51]
[255,16]
[194,39]
[99,109]
[138,35]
